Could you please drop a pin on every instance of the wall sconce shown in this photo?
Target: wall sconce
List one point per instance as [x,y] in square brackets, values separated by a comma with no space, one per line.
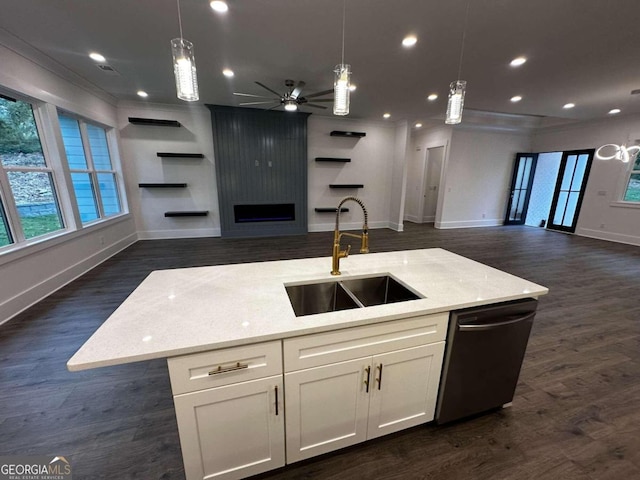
[620,152]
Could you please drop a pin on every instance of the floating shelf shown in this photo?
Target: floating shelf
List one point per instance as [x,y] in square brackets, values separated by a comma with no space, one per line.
[346,185]
[179,155]
[194,213]
[330,159]
[330,210]
[162,185]
[154,121]
[340,133]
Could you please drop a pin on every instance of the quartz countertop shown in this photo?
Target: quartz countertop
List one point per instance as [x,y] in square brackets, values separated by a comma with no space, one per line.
[188,310]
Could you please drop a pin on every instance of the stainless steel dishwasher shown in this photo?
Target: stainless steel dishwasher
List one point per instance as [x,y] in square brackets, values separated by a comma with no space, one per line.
[484,353]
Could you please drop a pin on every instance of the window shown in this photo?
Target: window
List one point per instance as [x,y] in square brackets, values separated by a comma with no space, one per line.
[27,184]
[632,192]
[91,169]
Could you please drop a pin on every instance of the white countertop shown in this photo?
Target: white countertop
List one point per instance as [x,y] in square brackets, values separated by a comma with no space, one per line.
[187,310]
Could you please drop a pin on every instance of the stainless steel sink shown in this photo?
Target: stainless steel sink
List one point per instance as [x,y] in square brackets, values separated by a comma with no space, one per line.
[320,298]
[379,290]
[312,298]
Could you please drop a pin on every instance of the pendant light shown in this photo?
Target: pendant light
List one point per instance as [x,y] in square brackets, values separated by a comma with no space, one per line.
[184,66]
[620,152]
[458,88]
[342,79]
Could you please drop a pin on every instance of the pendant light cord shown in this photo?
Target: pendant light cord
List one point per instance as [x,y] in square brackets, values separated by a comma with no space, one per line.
[464,36]
[344,17]
[179,18]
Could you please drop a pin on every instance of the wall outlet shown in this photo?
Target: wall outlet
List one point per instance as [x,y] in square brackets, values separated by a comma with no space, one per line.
[602,193]
[101,240]
[602,225]
[484,215]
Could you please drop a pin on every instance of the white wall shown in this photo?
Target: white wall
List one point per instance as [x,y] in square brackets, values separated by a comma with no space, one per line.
[399,176]
[602,215]
[478,175]
[31,273]
[140,145]
[371,164]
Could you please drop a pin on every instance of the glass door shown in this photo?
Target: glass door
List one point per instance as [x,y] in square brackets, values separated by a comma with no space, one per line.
[521,183]
[570,187]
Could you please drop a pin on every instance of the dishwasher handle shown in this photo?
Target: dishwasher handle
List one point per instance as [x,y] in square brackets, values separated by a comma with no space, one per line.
[491,326]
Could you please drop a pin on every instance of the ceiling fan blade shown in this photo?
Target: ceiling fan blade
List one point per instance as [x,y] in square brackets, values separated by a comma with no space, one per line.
[315,106]
[296,91]
[322,100]
[319,94]
[259,103]
[267,88]
[249,95]
[275,106]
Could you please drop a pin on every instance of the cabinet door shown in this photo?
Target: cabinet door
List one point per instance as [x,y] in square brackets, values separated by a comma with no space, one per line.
[232,432]
[404,388]
[327,408]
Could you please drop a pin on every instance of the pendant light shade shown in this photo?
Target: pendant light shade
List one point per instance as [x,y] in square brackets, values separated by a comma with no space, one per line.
[184,68]
[341,84]
[456,102]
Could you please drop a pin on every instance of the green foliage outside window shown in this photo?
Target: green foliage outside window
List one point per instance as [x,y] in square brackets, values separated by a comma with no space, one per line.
[18,133]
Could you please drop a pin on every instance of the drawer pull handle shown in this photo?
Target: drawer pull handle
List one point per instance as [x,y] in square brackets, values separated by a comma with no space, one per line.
[221,369]
[276,400]
[366,382]
[379,379]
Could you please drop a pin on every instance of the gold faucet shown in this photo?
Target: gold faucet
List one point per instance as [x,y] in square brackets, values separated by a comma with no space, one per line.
[337,235]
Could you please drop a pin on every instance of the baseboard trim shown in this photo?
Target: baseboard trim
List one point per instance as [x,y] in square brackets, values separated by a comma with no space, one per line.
[169,234]
[609,236]
[21,302]
[469,224]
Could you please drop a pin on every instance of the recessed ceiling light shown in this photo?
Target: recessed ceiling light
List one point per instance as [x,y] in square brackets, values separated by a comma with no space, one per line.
[567,106]
[219,6]
[97,57]
[516,62]
[386,115]
[516,99]
[418,125]
[409,41]
[615,111]
[352,87]
[142,93]
[432,97]
[228,72]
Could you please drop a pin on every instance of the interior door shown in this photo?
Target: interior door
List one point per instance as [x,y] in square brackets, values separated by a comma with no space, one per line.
[521,182]
[570,187]
[432,183]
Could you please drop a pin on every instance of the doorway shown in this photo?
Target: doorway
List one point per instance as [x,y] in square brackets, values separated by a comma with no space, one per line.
[432,174]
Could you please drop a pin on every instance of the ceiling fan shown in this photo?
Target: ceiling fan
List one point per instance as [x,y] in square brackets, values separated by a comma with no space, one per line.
[291,99]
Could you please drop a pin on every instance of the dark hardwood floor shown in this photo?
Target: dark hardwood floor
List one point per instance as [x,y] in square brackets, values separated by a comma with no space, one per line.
[576,414]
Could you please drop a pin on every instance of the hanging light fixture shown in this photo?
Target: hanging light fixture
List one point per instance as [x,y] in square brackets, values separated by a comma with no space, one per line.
[620,152]
[458,88]
[342,80]
[184,66]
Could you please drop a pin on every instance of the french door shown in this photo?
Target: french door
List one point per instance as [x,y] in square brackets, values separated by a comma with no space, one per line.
[523,173]
[570,186]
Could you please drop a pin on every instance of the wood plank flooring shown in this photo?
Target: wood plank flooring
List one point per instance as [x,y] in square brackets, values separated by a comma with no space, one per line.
[576,414]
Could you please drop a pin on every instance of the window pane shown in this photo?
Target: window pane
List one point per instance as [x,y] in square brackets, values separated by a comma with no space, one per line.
[109,193]
[568,172]
[576,185]
[99,148]
[72,143]
[19,140]
[571,209]
[36,202]
[5,233]
[85,196]
[560,208]
[633,189]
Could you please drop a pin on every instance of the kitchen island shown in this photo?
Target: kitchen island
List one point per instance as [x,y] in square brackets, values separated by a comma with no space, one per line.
[245,369]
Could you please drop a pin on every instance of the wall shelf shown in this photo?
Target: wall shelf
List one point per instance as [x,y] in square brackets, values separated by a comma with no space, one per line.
[340,133]
[162,185]
[154,122]
[330,159]
[346,185]
[192,213]
[330,209]
[179,155]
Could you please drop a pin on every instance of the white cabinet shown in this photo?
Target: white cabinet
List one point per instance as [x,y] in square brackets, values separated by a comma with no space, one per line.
[236,428]
[342,403]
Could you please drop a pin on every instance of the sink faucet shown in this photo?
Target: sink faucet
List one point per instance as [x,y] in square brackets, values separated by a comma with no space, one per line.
[364,237]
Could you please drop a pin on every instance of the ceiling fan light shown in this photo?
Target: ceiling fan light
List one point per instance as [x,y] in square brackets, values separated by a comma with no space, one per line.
[341,89]
[456,102]
[184,69]
[290,105]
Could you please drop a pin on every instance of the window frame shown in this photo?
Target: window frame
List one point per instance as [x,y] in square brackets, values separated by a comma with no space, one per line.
[630,170]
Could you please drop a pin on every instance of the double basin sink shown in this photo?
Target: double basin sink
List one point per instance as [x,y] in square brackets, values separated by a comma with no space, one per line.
[312,298]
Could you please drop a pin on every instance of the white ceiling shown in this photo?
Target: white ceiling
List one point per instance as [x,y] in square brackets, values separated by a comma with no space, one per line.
[582,51]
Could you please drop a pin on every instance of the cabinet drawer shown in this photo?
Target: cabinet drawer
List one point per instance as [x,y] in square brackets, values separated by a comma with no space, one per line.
[350,343]
[198,371]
